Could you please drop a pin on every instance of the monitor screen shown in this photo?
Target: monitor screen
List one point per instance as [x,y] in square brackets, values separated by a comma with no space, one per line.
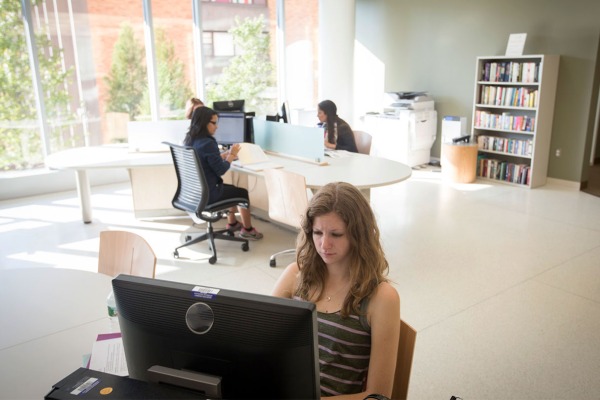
[285,112]
[231,128]
[254,346]
[229,105]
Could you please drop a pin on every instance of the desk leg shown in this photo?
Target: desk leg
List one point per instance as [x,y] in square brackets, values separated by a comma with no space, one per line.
[84,192]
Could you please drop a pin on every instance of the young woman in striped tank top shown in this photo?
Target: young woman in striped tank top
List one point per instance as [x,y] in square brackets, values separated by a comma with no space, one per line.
[341,267]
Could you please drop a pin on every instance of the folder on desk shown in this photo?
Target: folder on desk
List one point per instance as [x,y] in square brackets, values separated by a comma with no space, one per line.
[252,157]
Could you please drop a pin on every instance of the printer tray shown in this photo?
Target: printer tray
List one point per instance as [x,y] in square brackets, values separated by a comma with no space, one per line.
[89,384]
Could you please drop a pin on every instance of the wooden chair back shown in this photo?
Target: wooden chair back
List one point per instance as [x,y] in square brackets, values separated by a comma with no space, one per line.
[363,142]
[406,350]
[287,195]
[123,252]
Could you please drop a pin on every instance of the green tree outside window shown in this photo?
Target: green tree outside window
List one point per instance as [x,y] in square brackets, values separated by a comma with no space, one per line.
[249,74]
[20,142]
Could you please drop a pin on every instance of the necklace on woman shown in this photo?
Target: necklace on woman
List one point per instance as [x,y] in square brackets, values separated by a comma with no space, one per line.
[328,298]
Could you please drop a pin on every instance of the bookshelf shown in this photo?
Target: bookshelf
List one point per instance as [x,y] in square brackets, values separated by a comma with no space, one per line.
[513,110]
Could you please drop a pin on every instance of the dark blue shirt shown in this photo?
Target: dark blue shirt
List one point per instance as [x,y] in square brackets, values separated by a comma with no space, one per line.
[212,163]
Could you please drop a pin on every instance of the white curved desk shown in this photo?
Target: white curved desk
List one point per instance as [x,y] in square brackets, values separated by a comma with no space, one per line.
[82,159]
[50,318]
[360,170]
[363,171]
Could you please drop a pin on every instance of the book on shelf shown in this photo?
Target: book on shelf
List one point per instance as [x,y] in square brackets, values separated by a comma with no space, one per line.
[505,121]
[517,147]
[502,170]
[508,96]
[510,72]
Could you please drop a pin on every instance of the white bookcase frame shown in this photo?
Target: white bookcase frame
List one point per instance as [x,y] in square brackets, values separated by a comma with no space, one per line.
[542,112]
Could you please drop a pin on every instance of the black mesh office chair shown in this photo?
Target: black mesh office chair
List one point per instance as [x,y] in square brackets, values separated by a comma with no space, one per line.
[192,197]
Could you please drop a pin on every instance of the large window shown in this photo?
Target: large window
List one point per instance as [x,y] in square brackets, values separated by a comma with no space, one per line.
[301,53]
[92,67]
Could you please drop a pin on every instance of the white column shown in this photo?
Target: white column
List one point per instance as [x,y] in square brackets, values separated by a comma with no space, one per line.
[281,50]
[198,52]
[336,54]
[151,61]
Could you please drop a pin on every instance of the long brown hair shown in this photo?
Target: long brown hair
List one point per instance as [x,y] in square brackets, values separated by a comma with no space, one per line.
[330,109]
[201,117]
[368,265]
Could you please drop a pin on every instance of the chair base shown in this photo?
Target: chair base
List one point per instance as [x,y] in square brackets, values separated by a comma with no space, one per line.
[273,261]
[211,235]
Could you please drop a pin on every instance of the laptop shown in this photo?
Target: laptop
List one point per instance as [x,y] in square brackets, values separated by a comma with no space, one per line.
[252,157]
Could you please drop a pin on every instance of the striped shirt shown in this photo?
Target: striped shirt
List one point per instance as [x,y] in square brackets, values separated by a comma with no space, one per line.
[344,352]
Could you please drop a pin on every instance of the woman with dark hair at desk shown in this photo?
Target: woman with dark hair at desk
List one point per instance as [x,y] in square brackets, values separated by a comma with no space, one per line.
[338,134]
[191,105]
[200,136]
[341,267]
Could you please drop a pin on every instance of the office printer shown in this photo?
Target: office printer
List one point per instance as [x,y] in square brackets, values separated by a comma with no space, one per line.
[406,130]
[394,102]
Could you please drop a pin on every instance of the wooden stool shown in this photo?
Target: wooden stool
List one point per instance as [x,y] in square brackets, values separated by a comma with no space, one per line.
[459,162]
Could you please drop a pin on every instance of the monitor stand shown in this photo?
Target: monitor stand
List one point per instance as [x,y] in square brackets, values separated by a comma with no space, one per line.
[209,385]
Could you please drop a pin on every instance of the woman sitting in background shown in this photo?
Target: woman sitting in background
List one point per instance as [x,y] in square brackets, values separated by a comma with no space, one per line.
[338,134]
[200,136]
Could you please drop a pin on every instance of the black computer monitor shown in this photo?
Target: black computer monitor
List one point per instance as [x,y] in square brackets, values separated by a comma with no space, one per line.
[284,116]
[232,128]
[285,112]
[260,347]
[229,105]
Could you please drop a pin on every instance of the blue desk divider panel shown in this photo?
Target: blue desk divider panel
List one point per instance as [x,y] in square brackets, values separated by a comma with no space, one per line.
[293,140]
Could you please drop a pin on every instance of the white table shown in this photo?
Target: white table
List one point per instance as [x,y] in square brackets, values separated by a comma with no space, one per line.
[82,159]
[362,171]
[50,318]
[156,169]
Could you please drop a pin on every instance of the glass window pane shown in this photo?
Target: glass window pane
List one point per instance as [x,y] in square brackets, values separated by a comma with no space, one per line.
[301,51]
[223,44]
[92,58]
[21,141]
[174,47]
[241,64]
[117,61]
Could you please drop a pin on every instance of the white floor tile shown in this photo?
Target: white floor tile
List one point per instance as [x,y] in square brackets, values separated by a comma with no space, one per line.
[502,283]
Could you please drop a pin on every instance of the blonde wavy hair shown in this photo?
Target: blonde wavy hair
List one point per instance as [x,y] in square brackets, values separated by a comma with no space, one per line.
[368,265]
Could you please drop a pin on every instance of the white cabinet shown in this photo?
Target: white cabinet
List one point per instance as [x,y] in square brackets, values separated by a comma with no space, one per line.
[512,117]
[406,137]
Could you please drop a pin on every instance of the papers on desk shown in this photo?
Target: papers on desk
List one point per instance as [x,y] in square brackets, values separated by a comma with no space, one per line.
[108,355]
[252,157]
[338,153]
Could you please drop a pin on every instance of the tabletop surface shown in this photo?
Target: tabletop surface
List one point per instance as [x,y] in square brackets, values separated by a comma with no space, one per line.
[50,319]
[363,171]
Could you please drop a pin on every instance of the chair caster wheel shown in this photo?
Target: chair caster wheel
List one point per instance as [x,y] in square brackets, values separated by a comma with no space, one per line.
[176,254]
[212,260]
[272,263]
[245,247]
[188,238]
